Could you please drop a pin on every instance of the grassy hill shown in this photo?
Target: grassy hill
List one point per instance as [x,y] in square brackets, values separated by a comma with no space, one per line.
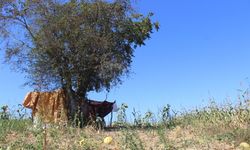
[218,127]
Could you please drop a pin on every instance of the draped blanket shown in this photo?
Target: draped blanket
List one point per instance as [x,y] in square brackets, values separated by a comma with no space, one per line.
[48,106]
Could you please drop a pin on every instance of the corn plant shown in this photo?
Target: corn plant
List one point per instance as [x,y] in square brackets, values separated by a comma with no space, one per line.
[121,116]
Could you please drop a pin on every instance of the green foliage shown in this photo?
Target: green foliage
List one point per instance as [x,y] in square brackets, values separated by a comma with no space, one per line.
[227,115]
[163,140]
[137,118]
[99,123]
[166,118]
[210,127]
[165,114]
[82,45]
[4,115]
[131,140]
[121,115]
[21,111]
[148,119]
[12,125]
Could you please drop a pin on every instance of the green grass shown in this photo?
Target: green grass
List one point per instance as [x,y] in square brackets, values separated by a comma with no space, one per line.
[211,127]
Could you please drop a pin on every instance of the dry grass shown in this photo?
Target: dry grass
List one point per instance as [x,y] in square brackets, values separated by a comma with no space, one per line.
[211,128]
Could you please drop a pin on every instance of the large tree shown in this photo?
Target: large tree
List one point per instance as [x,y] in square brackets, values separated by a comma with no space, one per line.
[78,45]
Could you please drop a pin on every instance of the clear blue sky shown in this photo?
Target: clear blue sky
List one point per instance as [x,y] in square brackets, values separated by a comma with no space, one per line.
[202,50]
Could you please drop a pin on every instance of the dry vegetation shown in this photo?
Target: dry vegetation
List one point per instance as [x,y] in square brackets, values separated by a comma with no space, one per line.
[212,127]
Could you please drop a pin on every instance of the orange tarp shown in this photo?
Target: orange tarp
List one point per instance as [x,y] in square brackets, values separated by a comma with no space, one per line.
[48,106]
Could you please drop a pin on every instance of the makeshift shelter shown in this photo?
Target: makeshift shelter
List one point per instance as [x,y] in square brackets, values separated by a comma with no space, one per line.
[52,107]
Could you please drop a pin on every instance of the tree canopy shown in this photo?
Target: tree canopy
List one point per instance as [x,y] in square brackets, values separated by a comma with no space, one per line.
[87,44]
[80,45]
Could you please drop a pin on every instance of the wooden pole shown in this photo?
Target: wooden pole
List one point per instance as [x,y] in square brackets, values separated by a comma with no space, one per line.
[111,119]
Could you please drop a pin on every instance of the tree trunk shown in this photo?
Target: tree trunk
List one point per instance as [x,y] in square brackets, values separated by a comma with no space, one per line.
[75,101]
[72,105]
[77,108]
